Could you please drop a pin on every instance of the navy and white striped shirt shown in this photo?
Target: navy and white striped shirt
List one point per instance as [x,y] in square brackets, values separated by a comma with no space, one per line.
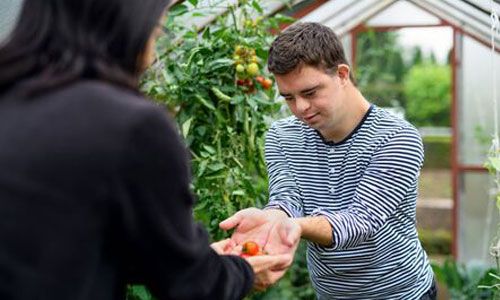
[366,186]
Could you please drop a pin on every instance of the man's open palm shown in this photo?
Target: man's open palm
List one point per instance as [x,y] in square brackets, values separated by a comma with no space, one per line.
[272,230]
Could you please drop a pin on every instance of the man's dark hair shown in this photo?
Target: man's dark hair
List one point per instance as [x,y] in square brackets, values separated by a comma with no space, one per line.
[310,44]
[59,41]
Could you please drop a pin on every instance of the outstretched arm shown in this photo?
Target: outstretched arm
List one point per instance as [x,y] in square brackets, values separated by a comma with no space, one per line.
[160,244]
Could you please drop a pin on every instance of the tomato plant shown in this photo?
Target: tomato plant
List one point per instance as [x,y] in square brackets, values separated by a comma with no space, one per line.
[215,83]
[207,78]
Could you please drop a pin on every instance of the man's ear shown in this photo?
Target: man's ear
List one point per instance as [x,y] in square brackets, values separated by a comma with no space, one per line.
[343,71]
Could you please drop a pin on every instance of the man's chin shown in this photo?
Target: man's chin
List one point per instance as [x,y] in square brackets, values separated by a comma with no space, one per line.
[314,125]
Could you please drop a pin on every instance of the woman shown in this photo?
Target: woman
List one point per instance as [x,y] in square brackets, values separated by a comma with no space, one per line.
[94,183]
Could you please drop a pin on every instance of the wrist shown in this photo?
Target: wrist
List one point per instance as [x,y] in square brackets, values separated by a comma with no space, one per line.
[301,222]
[275,212]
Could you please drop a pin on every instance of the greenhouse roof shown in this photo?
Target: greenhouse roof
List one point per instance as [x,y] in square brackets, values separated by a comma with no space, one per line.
[343,16]
[471,16]
[270,7]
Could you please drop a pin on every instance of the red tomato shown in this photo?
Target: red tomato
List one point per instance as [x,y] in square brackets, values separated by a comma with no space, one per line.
[250,248]
[267,83]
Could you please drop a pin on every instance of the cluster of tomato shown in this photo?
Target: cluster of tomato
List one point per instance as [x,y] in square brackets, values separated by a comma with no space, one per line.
[247,68]
[251,249]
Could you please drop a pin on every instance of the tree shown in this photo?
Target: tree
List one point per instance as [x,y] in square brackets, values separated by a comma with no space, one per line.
[432,58]
[417,57]
[380,68]
[428,93]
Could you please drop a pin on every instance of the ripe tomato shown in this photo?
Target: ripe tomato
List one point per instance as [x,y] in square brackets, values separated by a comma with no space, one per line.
[259,79]
[250,248]
[267,83]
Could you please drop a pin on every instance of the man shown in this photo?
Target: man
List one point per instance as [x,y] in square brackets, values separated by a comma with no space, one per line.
[346,171]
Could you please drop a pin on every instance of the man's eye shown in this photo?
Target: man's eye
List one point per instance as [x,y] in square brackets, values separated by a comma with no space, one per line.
[310,94]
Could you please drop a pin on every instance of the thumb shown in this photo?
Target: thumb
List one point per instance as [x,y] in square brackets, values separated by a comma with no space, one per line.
[230,222]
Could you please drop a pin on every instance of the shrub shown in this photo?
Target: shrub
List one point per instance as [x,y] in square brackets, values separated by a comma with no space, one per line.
[463,280]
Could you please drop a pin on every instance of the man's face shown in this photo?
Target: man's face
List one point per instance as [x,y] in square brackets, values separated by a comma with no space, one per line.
[314,96]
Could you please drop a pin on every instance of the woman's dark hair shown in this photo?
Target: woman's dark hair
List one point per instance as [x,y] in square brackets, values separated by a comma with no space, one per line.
[58,41]
[307,43]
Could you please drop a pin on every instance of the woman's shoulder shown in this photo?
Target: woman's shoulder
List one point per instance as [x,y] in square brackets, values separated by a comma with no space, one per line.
[101,98]
[93,90]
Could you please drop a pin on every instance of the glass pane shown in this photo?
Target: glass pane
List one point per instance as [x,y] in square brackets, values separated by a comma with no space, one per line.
[9,10]
[346,42]
[403,13]
[475,116]
[338,10]
[477,218]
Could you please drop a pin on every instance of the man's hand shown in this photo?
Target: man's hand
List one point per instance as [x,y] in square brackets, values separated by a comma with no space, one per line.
[271,229]
[268,228]
[268,269]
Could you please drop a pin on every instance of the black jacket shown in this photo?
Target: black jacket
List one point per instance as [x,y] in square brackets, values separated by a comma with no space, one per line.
[94,194]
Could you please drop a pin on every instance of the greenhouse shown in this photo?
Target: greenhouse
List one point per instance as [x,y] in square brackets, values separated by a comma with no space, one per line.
[433,63]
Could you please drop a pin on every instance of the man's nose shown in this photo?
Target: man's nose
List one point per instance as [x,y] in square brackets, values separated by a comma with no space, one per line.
[302,104]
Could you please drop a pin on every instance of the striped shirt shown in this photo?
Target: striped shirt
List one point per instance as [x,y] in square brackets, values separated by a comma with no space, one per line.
[366,186]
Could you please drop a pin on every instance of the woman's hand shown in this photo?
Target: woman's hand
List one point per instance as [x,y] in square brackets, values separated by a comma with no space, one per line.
[224,247]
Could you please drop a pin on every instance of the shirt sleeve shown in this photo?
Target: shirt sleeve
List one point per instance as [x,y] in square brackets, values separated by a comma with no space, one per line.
[162,246]
[393,170]
[283,190]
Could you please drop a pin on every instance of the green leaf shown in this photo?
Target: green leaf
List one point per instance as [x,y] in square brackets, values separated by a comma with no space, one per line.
[206,33]
[178,10]
[220,95]
[253,104]
[257,7]
[498,202]
[193,2]
[190,35]
[202,167]
[284,19]
[264,54]
[219,63]
[204,102]
[192,53]
[495,163]
[185,127]
[209,149]
[238,193]
[237,99]
[217,166]
[140,292]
